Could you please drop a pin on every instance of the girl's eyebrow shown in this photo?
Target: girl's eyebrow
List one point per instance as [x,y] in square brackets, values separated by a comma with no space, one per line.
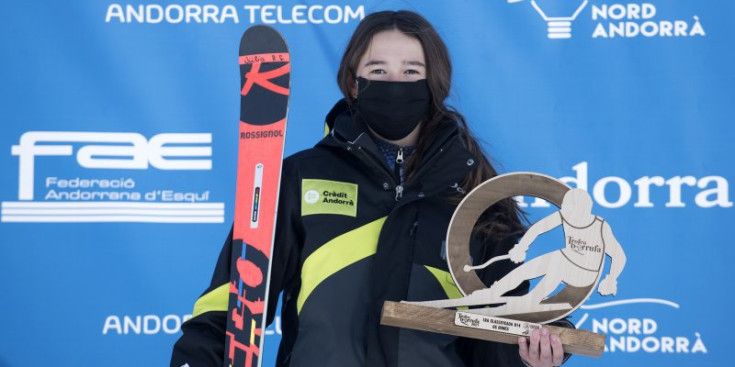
[414,63]
[374,62]
[380,62]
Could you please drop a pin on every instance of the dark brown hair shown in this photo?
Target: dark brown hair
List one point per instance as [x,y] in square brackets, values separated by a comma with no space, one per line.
[503,219]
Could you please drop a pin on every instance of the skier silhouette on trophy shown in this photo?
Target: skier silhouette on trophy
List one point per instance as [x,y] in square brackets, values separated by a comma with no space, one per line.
[578,265]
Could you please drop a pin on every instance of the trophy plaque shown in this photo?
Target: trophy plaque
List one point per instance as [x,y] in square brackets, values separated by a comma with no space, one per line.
[567,274]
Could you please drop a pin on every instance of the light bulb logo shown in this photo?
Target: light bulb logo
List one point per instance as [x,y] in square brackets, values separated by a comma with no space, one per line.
[559,25]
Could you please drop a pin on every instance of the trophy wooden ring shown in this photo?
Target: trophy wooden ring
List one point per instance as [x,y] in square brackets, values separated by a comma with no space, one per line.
[476,202]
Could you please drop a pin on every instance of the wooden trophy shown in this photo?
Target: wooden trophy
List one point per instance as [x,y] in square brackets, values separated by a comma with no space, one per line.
[574,267]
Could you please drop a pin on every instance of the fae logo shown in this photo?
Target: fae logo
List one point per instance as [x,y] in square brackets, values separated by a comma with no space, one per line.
[82,199]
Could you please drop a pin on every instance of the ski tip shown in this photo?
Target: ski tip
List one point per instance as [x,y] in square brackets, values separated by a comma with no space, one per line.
[262,39]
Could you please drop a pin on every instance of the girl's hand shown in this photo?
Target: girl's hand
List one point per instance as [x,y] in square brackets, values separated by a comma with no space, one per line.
[541,349]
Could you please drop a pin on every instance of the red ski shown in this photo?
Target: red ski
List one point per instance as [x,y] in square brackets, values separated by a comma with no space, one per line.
[264,78]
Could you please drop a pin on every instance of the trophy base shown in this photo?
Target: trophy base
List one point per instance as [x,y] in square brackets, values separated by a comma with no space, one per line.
[476,326]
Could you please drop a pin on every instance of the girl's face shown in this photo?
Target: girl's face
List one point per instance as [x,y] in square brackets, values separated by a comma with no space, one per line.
[393,56]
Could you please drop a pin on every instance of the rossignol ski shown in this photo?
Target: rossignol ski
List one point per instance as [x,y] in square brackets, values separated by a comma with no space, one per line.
[265,67]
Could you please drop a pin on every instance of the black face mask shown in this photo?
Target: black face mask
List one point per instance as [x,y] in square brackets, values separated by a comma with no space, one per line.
[392,109]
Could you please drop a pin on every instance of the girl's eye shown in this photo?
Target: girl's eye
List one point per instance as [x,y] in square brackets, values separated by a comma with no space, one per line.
[412,72]
[377,71]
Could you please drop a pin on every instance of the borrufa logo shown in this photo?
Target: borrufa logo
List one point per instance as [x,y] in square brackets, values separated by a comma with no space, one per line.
[105,177]
[612,20]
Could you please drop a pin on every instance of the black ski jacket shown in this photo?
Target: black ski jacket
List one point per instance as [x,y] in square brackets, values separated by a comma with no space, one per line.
[348,238]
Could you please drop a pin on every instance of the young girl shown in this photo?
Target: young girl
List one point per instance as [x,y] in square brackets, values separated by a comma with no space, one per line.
[362,217]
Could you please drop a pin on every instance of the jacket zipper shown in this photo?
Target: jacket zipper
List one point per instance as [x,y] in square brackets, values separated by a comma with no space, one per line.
[399,192]
[399,173]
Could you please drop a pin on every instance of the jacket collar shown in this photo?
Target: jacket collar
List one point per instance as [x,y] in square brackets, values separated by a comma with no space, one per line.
[445,160]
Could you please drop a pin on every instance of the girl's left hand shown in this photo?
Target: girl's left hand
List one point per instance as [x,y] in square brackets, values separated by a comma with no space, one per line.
[541,349]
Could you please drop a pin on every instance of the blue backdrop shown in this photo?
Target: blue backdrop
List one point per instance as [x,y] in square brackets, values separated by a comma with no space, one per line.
[105,250]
